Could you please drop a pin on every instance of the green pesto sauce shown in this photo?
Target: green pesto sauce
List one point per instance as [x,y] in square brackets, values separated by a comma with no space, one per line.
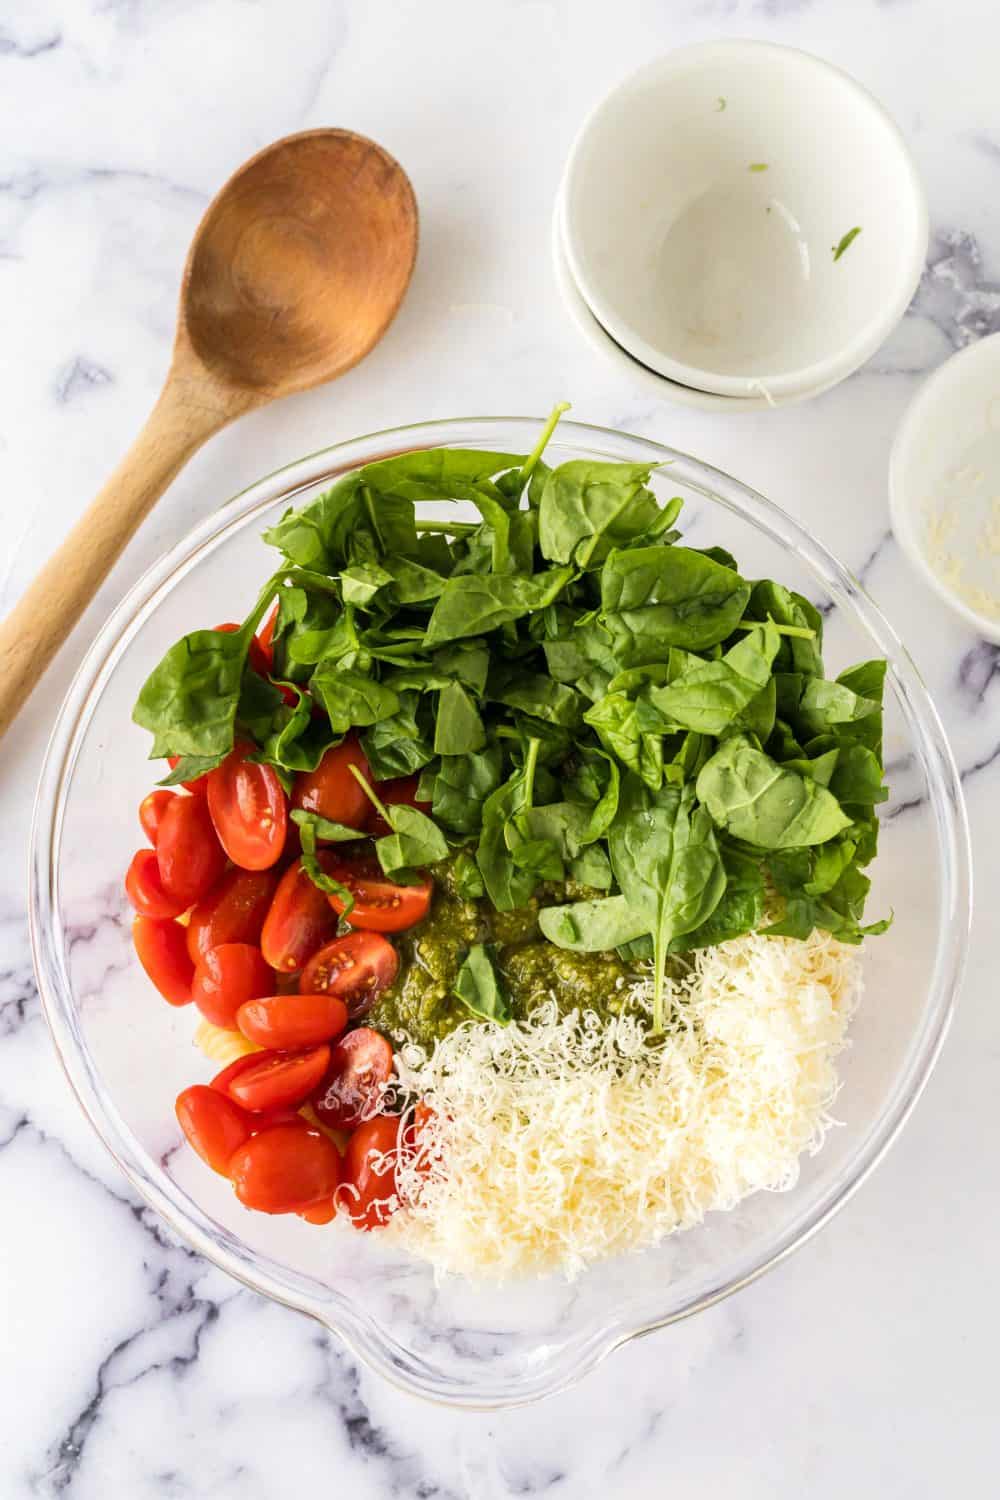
[421,1007]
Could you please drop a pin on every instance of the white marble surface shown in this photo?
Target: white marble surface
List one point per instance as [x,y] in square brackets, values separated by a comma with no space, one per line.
[133,1369]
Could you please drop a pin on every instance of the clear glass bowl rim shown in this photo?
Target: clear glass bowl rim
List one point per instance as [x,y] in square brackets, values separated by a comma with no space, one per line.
[371,1342]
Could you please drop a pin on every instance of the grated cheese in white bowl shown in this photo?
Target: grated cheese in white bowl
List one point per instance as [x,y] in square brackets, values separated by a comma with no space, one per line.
[564,1140]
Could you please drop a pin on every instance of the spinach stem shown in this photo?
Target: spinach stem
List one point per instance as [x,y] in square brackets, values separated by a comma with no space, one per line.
[802,632]
[447,528]
[528,467]
[530,762]
[378,805]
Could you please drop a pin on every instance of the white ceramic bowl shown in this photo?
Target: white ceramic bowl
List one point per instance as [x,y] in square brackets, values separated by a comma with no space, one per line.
[704,200]
[649,380]
[944,484]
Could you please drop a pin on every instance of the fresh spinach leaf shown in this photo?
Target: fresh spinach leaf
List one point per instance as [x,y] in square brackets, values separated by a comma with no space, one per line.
[361,582]
[321,880]
[708,696]
[415,838]
[766,804]
[592,868]
[467,879]
[323,830]
[667,864]
[536,694]
[587,508]
[592,926]
[476,603]
[401,744]
[459,729]
[462,785]
[478,986]
[189,701]
[350,699]
[656,597]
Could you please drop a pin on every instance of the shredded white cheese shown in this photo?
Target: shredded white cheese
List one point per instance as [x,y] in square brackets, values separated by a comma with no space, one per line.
[561,1141]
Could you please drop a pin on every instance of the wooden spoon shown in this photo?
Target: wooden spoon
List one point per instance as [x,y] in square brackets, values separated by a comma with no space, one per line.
[294,274]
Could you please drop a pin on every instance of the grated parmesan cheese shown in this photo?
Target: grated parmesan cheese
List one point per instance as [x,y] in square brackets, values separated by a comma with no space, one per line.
[560,1141]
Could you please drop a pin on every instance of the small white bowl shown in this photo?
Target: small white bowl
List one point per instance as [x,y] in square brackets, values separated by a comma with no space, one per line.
[705,199]
[656,385]
[944,484]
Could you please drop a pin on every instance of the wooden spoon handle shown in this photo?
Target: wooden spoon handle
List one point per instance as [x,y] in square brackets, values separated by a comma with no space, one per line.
[46,613]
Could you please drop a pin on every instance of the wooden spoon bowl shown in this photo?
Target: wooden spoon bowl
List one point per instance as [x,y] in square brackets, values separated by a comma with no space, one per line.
[295,272]
[300,263]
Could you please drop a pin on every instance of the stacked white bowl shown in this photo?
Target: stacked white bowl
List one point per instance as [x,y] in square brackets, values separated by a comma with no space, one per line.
[739,225]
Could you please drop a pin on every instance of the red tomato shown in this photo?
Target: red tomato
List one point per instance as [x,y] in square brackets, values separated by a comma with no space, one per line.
[258,658]
[198,787]
[360,1064]
[292,1020]
[299,921]
[260,1119]
[232,912]
[162,950]
[379,904]
[144,888]
[232,1070]
[285,1170]
[227,976]
[278,1080]
[323,1212]
[249,811]
[188,853]
[266,637]
[398,793]
[357,967]
[331,790]
[370,1173]
[411,1143]
[213,1124]
[151,810]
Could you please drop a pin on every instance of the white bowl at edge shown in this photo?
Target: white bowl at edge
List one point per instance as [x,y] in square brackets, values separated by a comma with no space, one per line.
[944,483]
[704,199]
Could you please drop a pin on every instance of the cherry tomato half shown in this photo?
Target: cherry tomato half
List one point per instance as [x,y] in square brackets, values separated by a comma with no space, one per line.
[226,977]
[189,855]
[323,1212]
[259,1119]
[299,920]
[360,1063]
[265,637]
[398,793]
[357,967]
[412,1143]
[278,1080]
[285,1170]
[331,790]
[232,912]
[151,810]
[370,1173]
[379,904]
[292,1020]
[162,950]
[144,887]
[249,810]
[213,1124]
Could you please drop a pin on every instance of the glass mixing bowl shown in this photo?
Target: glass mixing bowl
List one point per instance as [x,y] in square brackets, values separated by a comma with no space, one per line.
[127,1054]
